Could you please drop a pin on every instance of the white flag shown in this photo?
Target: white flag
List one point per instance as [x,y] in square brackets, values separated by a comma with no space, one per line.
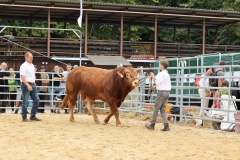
[79,20]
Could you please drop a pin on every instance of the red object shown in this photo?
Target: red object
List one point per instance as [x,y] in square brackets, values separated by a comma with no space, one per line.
[197,79]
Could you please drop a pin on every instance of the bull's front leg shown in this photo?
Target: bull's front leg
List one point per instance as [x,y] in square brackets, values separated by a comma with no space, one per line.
[116,114]
[106,120]
[118,122]
[113,111]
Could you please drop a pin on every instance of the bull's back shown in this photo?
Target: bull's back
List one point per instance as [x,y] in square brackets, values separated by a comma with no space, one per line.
[87,80]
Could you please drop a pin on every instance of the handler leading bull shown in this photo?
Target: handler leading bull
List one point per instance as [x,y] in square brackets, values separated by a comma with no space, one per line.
[110,86]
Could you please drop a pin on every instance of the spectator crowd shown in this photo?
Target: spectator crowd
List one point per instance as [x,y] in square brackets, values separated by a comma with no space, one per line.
[50,87]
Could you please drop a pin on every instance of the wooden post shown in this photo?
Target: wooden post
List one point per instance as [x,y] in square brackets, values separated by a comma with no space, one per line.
[188,35]
[121,36]
[65,27]
[48,37]
[155,36]
[86,34]
[30,24]
[216,36]
[203,35]
[174,34]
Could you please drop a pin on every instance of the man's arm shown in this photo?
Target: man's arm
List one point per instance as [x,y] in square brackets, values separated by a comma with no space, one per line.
[153,77]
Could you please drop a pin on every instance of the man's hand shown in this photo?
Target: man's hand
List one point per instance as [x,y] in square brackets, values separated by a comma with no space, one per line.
[152,74]
[5,77]
[29,88]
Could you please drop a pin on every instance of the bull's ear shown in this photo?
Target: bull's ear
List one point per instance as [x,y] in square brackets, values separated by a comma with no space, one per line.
[120,74]
[139,71]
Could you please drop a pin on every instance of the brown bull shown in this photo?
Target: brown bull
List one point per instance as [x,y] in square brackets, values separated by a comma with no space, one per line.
[110,86]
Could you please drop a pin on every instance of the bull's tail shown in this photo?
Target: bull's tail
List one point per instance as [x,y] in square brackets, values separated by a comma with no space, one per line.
[64,103]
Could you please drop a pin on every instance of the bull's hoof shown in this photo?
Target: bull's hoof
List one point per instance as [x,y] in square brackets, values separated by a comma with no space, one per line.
[97,122]
[72,120]
[105,123]
[118,124]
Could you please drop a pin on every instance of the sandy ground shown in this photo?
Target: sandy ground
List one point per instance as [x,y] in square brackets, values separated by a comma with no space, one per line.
[55,138]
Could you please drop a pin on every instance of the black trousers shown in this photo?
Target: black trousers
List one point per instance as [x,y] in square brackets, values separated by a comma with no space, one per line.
[12,98]
[42,102]
[3,98]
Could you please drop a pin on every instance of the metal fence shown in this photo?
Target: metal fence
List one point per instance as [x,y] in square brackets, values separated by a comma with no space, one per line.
[184,94]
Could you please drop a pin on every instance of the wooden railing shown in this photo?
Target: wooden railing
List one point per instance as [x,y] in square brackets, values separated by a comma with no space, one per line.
[67,47]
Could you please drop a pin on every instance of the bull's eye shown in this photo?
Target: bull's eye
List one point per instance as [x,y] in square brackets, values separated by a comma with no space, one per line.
[128,75]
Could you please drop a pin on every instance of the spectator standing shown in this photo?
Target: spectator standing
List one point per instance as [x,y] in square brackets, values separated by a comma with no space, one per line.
[75,66]
[29,88]
[224,89]
[54,88]
[10,44]
[163,86]
[63,83]
[19,93]
[219,72]
[43,89]
[12,87]
[204,92]
[4,74]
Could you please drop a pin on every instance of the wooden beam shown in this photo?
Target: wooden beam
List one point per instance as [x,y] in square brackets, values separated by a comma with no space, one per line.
[86,34]
[155,36]
[203,35]
[49,33]
[121,36]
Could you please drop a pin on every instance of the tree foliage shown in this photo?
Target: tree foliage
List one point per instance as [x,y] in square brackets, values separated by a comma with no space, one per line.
[229,34]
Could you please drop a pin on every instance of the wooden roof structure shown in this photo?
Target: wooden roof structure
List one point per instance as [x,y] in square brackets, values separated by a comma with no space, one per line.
[122,14]
[111,13]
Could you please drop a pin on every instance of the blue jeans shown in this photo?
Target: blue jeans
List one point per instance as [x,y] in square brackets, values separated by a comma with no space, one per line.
[52,92]
[25,97]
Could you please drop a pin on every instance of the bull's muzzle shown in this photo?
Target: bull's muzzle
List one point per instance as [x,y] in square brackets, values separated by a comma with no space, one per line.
[135,83]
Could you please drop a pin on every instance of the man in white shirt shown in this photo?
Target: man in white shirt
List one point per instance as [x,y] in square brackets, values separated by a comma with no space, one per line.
[204,82]
[163,86]
[28,86]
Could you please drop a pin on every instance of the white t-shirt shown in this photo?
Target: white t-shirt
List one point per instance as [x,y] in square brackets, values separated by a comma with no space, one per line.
[204,82]
[65,74]
[163,81]
[27,70]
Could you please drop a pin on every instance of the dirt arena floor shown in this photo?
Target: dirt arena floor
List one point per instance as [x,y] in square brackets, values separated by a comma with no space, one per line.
[55,138]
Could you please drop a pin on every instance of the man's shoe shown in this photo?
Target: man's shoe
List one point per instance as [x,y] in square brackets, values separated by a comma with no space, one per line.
[166,127]
[150,126]
[34,118]
[16,111]
[25,120]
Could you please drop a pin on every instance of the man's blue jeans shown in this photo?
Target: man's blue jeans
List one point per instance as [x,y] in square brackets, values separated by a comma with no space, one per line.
[25,97]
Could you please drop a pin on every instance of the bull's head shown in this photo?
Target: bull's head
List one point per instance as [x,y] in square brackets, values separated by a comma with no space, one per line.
[130,75]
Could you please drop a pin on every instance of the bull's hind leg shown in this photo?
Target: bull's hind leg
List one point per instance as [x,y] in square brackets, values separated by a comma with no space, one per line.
[89,104]
[72,103]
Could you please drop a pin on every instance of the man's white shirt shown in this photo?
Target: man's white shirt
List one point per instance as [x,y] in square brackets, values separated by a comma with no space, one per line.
[27,70]
[163,81]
